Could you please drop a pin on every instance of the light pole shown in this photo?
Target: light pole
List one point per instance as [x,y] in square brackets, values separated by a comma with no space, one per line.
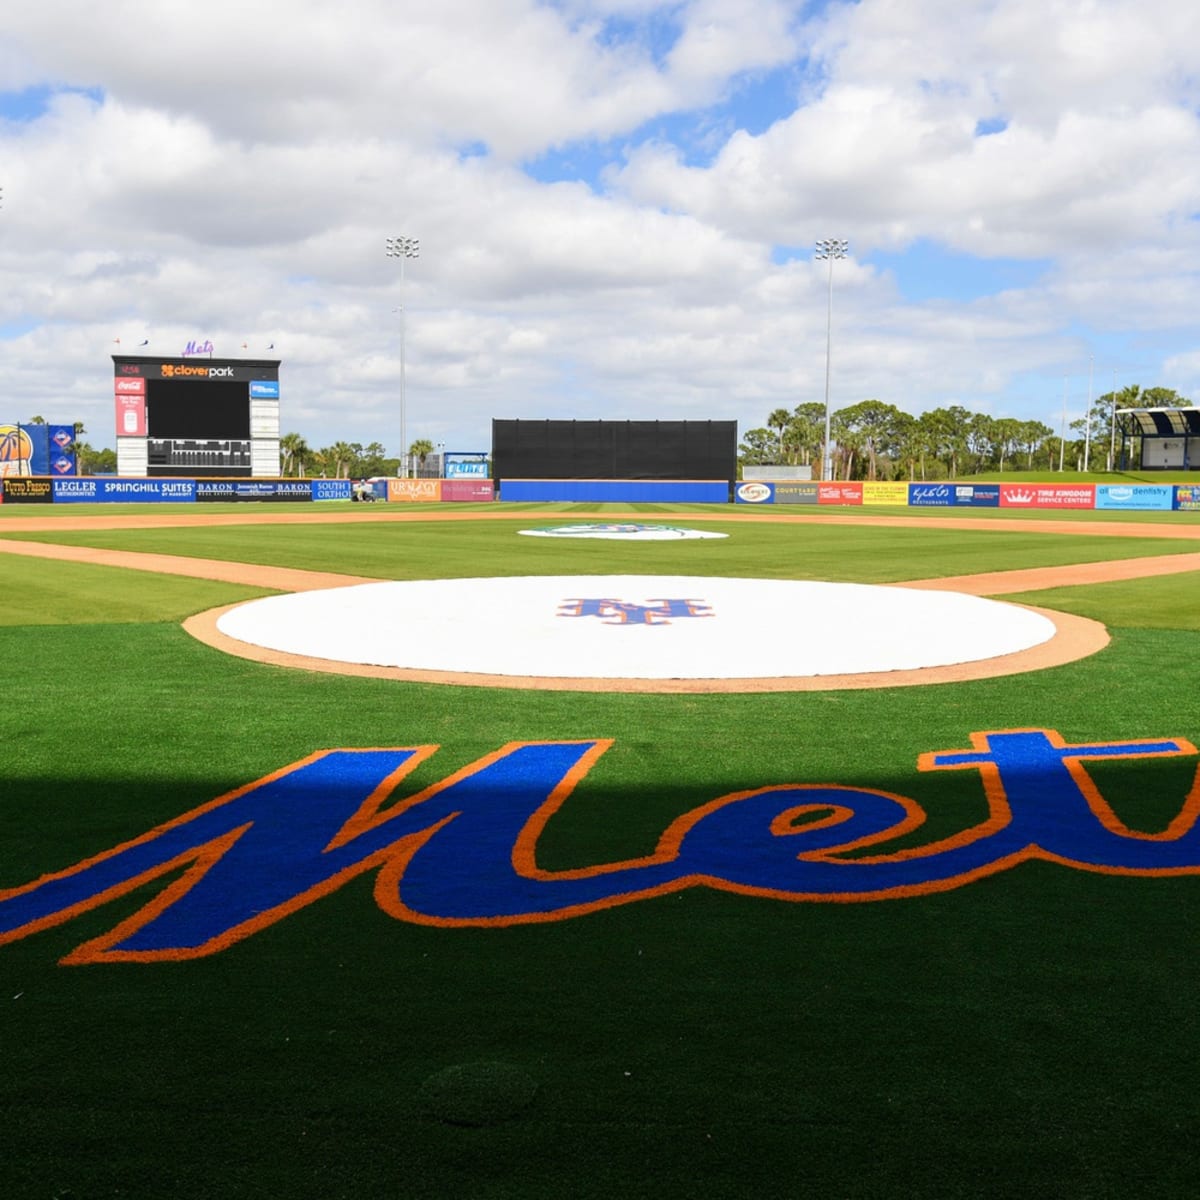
[1062,436]
[1087,425]
[829,249]
[402,248]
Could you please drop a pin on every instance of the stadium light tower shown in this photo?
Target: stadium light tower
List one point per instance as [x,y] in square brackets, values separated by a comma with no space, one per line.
[830,250]
[402,248]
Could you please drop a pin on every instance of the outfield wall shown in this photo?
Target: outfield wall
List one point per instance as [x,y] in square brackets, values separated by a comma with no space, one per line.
[1016,496]
[617,491]
[102,489]
[1106,497]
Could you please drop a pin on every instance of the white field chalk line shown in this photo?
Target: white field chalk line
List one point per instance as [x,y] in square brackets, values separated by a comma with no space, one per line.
[637,627]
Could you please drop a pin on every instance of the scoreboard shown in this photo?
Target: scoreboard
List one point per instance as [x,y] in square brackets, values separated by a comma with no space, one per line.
[192,417]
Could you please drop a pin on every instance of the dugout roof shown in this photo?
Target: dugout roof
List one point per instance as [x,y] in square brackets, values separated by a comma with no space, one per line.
[1160,422]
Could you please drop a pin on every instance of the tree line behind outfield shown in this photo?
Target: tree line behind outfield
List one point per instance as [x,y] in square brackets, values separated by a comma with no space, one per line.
[874,440]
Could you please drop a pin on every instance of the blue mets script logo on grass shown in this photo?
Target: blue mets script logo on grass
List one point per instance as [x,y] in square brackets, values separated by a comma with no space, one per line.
[623,612]
[464,851]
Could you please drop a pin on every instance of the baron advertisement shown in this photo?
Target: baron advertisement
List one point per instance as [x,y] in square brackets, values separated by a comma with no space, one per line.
[211,490]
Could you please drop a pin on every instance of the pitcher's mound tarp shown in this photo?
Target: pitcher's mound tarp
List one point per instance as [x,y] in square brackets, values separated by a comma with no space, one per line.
[614,449]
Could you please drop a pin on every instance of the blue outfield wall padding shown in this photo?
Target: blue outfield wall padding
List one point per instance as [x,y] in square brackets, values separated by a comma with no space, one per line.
[102,488]
[617,491]
[334,489]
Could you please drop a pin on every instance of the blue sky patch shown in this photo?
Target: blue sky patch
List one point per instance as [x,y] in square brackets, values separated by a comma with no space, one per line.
[927,271]
[17,328]
[698,136]
[760,101]
[656,33]
[31,103]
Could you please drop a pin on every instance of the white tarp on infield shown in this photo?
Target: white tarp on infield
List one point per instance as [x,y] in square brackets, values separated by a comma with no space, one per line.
[637,626]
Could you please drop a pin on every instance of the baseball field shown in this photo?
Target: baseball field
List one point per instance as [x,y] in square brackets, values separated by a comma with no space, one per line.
[272,931]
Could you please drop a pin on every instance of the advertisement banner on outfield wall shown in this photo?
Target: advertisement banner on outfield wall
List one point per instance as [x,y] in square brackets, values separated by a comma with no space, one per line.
[795,493]
[1047,495]
[468,489]
[1187,497]
[210,490]
[755,492]
[102,489]
[25,489]
[422,491]
[330,489]
[977,495]
[24,450]
[930,495]
[839,493]
[1156,496]
[885,493]
[464,466]
[62,450]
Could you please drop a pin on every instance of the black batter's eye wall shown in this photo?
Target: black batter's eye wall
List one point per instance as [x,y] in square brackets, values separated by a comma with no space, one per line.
[649,450]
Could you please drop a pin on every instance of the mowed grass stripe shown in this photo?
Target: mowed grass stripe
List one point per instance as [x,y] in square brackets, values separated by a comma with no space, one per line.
[420,550]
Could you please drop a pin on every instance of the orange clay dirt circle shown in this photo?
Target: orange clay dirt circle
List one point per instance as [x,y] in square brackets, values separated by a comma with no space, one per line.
[1076,637]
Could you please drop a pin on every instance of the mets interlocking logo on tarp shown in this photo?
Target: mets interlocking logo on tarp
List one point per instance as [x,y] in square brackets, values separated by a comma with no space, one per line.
[463,852]
[624,612]
[621,531]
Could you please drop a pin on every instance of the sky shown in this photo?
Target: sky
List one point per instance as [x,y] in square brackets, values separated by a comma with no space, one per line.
[616,201]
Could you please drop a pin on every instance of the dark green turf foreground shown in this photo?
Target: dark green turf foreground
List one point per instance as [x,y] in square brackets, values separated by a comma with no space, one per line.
[1032,1034]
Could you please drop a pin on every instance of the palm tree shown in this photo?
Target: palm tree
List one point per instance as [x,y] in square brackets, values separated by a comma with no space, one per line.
[780,419]
[420,449]
[341,453]
[295,451]
[806,429]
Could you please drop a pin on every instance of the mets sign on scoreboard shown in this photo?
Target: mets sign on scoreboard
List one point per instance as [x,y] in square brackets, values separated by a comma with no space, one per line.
[464,851]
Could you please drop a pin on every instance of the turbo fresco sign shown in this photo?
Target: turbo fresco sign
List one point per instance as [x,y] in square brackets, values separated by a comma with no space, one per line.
[464,851]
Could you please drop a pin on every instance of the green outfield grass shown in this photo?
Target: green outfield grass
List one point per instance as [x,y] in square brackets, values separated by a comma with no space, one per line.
[1033,1033]
[806,549]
